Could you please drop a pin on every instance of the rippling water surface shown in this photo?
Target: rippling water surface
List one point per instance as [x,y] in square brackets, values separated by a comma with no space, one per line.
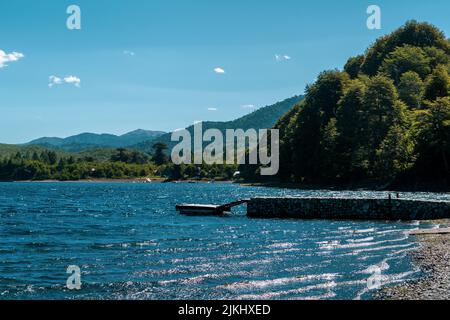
[131,244]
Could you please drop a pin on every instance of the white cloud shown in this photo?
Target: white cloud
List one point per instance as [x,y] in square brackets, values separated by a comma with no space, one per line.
[219,70]
[9,57]
[213,109]
[54,81]
[249,106]
[72,80]
[282,57]
[129,53]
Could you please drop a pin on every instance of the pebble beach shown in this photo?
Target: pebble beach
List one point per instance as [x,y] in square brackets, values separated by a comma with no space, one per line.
[433,258]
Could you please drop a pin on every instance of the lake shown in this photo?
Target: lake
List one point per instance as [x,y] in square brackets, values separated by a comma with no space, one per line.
[130,243]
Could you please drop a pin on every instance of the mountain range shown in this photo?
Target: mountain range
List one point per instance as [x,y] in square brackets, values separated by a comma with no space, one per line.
[86,141]
[263,118]
[143,140]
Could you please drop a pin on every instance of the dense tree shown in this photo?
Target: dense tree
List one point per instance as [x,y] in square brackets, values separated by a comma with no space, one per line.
[395,154]
[285,126]
[438,84]
[120,156]
[434,140]
[129,156]
[319,108]
[403,59]
[159,156]
[382,108]
[416,34]
[353,66]
[411,89]
[352,133]
[436,56]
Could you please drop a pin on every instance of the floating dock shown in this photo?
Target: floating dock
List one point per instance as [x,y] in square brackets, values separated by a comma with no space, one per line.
[208,210]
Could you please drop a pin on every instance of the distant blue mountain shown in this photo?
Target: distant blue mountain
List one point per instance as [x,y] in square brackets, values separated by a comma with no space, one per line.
[87,141]
[263,118]
[143,140]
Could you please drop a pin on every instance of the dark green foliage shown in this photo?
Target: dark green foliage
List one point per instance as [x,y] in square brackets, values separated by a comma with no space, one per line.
[159,157]
[411,89]
[285,125]
[416,34]
[127,156]
[319,108]
[395,153]
[198,172]
[353,66]
[382,109]
[353,133]
[437,56]
[403,59]
[47,165]
[433,139]
[438,84]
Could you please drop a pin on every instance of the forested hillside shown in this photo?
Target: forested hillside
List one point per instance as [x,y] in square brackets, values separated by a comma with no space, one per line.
[384,119]
[263,118]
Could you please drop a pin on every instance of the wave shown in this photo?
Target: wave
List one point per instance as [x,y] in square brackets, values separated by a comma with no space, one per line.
[277,282]
[278,294]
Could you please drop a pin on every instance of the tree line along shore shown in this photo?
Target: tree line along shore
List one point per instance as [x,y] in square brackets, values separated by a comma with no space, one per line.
[123,165]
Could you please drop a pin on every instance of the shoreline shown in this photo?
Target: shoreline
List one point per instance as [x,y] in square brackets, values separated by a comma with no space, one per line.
[362,187]
[153,180]
[433,259]
[131,180]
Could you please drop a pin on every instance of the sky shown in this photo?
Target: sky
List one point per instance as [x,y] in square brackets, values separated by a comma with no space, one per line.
[165,64]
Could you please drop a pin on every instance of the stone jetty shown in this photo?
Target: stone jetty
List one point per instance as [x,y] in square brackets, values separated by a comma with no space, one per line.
[347,208]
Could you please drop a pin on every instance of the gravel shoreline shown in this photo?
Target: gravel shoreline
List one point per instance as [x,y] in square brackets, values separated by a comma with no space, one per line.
[433,258]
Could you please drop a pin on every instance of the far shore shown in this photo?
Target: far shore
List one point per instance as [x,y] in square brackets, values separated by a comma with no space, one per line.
[362,187]
[136,180]
[277,185]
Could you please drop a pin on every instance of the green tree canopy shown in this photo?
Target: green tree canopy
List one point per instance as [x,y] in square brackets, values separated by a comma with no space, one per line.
[353,66]
[404,59]
[434,137]
[411,89]
[413,33]
[159,157]
[438,84]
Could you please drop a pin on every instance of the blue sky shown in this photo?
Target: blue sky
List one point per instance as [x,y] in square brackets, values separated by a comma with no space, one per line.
[150,63]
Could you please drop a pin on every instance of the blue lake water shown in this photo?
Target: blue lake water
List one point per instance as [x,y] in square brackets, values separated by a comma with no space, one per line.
[130,243]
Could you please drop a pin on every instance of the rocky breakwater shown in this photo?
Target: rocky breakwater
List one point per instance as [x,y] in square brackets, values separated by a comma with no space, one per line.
[348,208]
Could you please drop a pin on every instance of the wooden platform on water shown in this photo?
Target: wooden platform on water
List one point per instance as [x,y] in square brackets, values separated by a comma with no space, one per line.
[207,209]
